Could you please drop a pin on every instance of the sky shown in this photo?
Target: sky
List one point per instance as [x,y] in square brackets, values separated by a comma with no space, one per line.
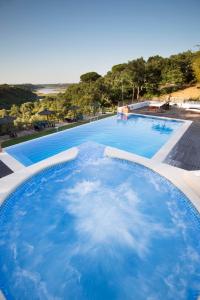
[55,41]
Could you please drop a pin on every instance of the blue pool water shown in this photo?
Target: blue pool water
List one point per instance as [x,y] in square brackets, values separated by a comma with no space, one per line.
[75,231]
[141,135]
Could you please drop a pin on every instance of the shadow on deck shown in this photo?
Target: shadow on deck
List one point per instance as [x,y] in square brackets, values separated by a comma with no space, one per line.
[4,170]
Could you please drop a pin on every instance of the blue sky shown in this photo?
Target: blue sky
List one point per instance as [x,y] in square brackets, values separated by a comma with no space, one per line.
[49,41]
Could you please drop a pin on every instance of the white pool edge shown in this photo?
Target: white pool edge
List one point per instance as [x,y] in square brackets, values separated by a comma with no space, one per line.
[185,181]
[9,183]
[163,152]
[11,162]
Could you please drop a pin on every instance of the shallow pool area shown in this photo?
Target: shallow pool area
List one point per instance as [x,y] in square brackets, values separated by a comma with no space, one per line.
[137,134]
[99,228]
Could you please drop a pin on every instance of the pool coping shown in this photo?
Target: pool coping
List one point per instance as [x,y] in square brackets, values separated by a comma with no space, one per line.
[162,153]
[9,183]
[14,164]
[185,181]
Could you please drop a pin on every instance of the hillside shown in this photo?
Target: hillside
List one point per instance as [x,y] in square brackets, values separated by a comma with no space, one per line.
[190,93]
[10,95]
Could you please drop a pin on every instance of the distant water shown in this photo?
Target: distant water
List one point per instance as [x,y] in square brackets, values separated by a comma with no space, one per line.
[47,91]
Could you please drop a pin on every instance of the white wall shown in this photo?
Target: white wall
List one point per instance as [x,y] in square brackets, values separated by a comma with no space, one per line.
[189,105]
[134,106]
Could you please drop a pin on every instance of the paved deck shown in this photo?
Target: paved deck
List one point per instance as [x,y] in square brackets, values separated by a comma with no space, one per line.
[186,153]
[173,112]
[4,170]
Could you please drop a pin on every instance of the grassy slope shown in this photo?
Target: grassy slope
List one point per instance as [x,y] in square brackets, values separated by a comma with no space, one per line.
[43,133]
[185,94]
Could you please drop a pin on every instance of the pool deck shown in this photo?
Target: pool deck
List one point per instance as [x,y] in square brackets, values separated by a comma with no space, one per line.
[186,153]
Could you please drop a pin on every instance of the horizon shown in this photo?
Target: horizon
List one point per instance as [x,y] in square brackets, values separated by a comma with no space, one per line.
[62,83]
[57,42]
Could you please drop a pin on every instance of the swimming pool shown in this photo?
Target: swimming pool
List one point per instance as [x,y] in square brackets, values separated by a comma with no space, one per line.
[137,134]
[75,231]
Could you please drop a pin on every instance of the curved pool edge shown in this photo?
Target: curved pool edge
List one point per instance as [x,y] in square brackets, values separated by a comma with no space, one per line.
[9,183]
[186,181]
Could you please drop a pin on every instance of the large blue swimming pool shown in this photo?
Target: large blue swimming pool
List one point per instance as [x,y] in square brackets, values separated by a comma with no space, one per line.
[140,135]
[75,231]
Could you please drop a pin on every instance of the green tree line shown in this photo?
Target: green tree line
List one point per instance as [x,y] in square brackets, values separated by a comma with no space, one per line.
[137,79]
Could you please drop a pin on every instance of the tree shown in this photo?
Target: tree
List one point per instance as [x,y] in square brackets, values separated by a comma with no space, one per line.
[178,69]
[196,65]
[26,110]
[90,77]
[153,76]
[3,113]
[136,75]
[15,111]
[10,95]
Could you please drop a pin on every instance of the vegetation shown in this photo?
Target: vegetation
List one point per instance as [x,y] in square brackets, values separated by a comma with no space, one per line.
[90,77]
[196,65]
[94,94]
[10,95]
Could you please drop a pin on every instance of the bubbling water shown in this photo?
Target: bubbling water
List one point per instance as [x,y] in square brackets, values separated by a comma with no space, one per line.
[99,228]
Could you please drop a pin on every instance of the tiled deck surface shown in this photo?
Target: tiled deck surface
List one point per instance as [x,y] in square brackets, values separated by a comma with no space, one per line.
[186,153]
[4,170]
